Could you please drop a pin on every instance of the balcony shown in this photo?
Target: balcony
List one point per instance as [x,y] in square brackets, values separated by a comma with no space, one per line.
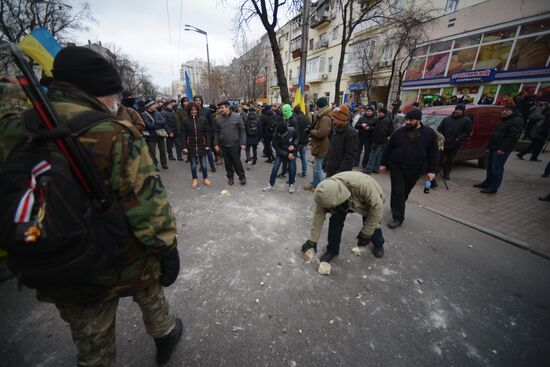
[320,20]
[316,77]
[319,45]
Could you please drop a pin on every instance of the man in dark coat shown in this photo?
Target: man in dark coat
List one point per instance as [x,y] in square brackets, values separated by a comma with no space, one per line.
[205,112]
[343,143]
[252,125]
[501,144]
[173,128]
[268,124]
[285,143]
[455,128]
[538,136]
[410,149]
[365,126]
[302,124]
[380,135]
[230,138]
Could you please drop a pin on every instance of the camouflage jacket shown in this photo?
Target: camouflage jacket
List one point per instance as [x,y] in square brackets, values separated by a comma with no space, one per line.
[121,155]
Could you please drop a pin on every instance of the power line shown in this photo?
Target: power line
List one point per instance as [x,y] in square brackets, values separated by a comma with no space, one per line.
[170,40]
[179,29]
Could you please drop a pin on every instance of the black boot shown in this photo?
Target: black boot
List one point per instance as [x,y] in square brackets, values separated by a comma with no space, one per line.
[166,344]
[378,251]
[328,256]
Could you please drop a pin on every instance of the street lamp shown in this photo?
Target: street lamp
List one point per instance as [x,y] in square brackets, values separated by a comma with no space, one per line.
[190,28]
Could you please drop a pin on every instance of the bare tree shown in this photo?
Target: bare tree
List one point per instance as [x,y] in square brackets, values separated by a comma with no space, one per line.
[406,29]
[19,17]
[268,12]
[249,68]
[370,58]
[124,65]
[353,13]
[144,86]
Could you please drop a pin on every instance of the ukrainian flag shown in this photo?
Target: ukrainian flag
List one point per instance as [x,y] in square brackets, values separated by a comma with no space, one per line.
[40,46]
[299,97]
[188,88]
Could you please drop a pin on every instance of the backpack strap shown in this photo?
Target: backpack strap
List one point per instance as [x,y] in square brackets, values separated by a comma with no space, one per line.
[86,120]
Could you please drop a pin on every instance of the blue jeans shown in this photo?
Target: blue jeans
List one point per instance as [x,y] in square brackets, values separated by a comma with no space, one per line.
[302,151]
[210,155]
[495,169]
[202,160]
[318,174]
[374,158]
[279,159]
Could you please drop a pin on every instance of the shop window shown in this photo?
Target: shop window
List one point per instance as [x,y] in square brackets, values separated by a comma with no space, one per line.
[493,56]
[468,41]
[507,93]
[408,98]
[415,69]
[462,60]
[447,92]
[499,35]
[436,65]
[421,51]
[489,93]
[529,89]
[531,52]
[535,27]
[441,46]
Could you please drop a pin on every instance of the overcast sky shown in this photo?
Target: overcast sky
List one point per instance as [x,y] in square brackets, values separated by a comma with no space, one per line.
[145,32]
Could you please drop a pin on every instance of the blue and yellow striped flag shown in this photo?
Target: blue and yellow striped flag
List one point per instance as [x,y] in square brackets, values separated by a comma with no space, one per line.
[42,47]
[299,97]
[188,87]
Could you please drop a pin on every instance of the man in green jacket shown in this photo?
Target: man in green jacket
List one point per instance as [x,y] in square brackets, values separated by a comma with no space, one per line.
[84,81]
[343,193]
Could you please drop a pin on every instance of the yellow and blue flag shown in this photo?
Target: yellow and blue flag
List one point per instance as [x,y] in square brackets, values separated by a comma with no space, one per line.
[42,47]
[299,97]
[188,87]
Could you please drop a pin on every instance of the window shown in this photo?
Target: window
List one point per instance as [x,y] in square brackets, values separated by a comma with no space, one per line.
[322,37]
[310,44]
[451,6]
[290,74]
[298,71]
[335,33]
[327,94]
[373,18]
[330,60]
[387,53]
[369,47]
[286,55]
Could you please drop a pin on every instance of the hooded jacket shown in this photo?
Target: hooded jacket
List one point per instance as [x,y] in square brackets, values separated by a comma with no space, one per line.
[363,194]
[382,130]
[207,114]
[282,143]
[253,127]
[268,123]
[322,127]
[194,135]
[129,114]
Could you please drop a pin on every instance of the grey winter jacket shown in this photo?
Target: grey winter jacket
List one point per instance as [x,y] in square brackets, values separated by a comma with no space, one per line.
[229,130]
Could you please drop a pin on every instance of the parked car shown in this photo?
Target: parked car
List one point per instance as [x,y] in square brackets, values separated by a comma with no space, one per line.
[484,119]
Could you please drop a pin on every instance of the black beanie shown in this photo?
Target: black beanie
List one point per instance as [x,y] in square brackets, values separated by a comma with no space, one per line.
[87,70]
[414,114]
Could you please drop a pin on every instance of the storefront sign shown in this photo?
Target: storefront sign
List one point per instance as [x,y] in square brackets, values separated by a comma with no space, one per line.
[357,86]
[473,76]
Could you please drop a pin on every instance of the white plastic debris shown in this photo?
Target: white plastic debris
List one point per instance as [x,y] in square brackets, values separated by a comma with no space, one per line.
[357,251]
[308,255]
[226,193]
[324,268]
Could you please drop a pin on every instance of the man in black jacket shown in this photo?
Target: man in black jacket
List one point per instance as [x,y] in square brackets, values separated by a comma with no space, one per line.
[268,128]
[501,144]
[302,123]
[285,142]
[380,135]
[343,143]
[207,114]
[410,149]
[455,128]
[365,127]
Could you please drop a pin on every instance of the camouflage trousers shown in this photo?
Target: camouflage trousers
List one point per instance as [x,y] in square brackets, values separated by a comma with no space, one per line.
[93,325]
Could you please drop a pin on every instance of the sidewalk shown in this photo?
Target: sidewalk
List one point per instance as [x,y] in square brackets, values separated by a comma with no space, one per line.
[514,211]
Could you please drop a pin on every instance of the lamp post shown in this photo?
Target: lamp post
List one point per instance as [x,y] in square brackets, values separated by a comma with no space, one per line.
[191,28]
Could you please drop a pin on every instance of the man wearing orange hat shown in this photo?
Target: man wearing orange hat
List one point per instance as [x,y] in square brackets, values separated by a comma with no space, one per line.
[343,143]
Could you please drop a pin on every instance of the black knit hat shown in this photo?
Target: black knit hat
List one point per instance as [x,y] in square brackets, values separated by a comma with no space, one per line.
[87,70]
[414,114]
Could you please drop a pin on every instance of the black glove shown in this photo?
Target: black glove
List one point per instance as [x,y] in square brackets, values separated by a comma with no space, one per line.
[169,267]
[362,239]
[309,244]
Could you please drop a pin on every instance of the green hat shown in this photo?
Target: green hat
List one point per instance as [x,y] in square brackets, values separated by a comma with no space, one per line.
[322,102]
[287,111]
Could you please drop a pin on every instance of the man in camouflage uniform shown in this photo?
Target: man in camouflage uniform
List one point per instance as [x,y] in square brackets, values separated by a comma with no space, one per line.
[84,80]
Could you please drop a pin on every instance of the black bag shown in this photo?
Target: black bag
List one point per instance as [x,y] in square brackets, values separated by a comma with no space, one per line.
[50,226]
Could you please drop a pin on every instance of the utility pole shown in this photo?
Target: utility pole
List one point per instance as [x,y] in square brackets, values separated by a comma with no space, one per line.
[305,37]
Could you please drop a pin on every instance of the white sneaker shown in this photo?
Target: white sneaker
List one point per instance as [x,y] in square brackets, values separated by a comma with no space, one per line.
[267,188]
[291,189]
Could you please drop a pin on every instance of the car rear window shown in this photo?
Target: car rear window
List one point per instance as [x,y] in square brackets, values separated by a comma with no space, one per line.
[432,121]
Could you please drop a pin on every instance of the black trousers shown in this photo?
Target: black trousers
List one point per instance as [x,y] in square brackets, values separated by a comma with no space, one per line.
[446,160]
[268,152]
[232,160]
[402,182]
[254,156]
[363,144]
[174,142]
[335,227]
[534,148]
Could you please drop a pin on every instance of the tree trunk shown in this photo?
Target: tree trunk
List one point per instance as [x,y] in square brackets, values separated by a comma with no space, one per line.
[278,60]
[340,71]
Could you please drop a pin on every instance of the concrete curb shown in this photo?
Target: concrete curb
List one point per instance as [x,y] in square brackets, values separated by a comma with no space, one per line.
[501,236]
